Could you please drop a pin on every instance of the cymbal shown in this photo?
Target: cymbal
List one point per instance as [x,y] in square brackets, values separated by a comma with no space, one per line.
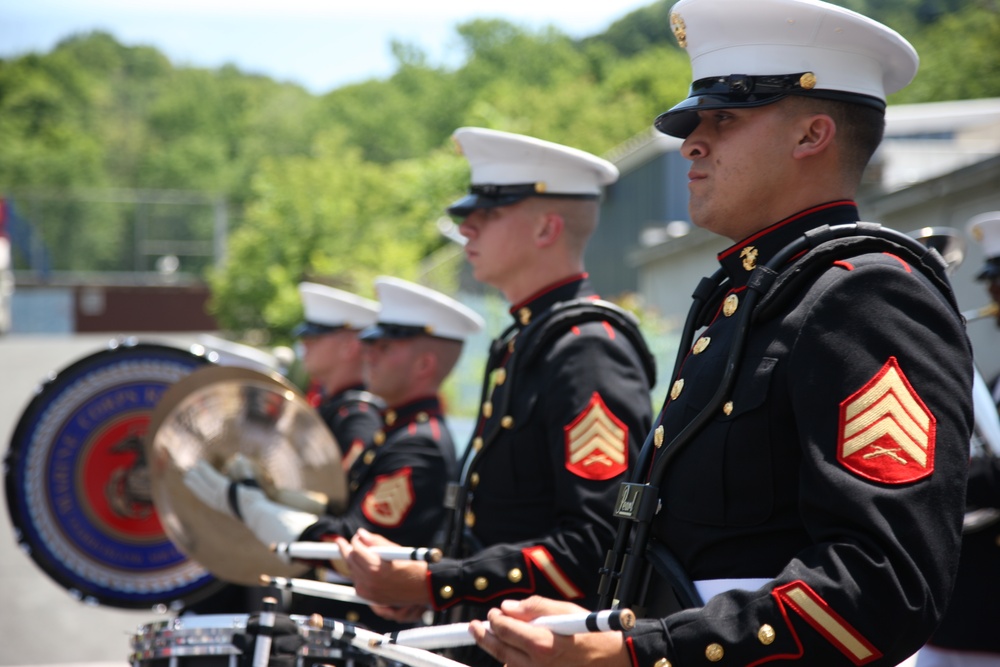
[222,413]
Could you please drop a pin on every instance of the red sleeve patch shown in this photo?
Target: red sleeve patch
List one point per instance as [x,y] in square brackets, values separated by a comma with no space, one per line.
[389,500]
[886,433]
[596,442]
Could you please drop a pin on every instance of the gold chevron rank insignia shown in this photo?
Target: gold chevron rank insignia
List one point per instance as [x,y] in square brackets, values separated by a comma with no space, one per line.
[596,442]
[390,499]
[886,432]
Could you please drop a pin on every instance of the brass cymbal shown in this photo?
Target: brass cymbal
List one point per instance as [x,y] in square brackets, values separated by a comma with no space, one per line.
[222,413]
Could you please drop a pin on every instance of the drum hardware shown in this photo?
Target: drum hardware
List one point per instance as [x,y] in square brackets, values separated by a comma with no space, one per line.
[262,646]
[236,417]
[330,551]
[374,643]
[219,640]
[454,635]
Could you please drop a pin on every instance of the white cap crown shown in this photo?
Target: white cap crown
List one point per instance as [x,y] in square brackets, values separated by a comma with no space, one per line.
[333,308]
[409,305]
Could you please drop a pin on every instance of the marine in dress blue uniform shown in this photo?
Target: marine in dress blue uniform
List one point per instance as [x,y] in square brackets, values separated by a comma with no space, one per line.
[816,501]
[565,401]
[332,358]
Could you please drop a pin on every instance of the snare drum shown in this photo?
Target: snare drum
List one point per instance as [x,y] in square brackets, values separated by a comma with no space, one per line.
[214,640]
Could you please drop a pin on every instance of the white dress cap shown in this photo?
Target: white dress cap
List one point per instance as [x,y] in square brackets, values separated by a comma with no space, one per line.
[328,308]
[506,168]
[985,229]
[842,54]
[408,309]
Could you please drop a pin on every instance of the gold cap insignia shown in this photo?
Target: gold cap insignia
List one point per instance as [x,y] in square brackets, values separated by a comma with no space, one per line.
[540,187]
[749,257]
[680,30]
[807,81]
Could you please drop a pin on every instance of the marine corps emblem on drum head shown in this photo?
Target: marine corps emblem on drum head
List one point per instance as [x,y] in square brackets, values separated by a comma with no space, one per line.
[77,483]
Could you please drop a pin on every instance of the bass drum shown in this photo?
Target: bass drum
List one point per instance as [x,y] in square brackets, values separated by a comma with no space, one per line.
[78,487]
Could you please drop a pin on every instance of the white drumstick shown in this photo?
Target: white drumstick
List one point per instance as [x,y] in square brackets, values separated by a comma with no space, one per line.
[330,551]
[373,643]
[319,589]
[457,634]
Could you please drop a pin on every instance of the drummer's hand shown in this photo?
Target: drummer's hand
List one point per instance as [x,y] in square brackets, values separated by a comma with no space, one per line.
[513,641]
[396,583]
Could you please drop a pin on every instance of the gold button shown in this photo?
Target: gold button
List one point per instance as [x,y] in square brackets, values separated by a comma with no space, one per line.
[658,436]
[807,81]
[766,634]
[379,437]
[510,346]
[474,480]
[369,457]
[500,376]
[423,417]
[480,583]
[749,257]
[714,652]
[728,408]
[662,662]
[524,316]
[676,389]
[477,443]
[701,344]
[390,417]
[446,592]
[730,305]
[470,519]
[353,616]
[507,422]
[515,575]
[488,409]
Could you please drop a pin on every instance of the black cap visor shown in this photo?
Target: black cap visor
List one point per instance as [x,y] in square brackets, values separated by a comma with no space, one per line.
[385,330]
[493,196]
[990,270]
[310,329]
[744,91]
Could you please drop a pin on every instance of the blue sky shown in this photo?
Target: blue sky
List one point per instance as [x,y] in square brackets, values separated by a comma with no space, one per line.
[321,44]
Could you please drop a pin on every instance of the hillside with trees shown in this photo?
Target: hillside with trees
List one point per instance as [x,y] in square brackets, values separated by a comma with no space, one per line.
[347,185]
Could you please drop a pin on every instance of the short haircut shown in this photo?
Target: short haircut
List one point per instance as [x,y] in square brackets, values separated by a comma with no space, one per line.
[859,128]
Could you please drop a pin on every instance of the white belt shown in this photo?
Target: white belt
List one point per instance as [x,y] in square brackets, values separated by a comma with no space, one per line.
[709,588]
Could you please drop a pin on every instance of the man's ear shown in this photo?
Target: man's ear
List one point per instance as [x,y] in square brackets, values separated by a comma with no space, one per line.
[550,228]
[817,133]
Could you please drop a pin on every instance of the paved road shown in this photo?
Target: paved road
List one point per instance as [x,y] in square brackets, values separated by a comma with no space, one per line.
[40,623]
